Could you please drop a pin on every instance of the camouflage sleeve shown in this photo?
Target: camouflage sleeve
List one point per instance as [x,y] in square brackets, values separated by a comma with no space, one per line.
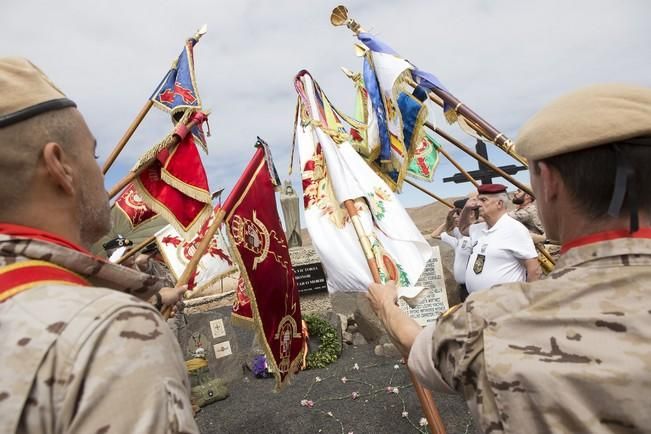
[520,215]
[133,378]
[421,364]
[456,343]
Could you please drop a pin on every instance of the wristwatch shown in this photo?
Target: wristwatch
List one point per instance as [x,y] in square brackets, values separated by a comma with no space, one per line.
[159,301]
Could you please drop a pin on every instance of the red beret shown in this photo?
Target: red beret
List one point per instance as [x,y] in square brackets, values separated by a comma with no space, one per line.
[491,188]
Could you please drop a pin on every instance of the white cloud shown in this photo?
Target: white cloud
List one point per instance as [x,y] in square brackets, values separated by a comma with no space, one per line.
[505,59]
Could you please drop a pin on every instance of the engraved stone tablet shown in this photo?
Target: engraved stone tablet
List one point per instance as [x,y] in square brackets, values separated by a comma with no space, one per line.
[436,302]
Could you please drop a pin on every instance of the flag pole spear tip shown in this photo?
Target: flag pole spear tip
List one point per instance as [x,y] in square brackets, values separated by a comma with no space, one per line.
[339,17]
[348,72]
[202,31]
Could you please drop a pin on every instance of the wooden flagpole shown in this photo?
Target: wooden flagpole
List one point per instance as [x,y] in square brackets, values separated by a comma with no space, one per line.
[135,249]
[426,402]
[151,239]
[121,184]
[127,135]
[202,248]
[339,17]
[139,117]
[545,259]
[472,180]
[480,125]
[218,218]
[429,193]
[478,157]
[475,121]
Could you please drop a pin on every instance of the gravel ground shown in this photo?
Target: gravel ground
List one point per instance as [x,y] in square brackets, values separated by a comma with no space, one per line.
[315,303]
[253,406]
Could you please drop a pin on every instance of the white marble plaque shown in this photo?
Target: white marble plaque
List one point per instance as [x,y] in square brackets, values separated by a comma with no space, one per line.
[222,349]
[217,328]
[436,302]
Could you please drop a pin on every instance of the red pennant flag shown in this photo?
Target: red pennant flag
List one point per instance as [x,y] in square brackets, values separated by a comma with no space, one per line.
[133,207]
[175,185]
[260,248]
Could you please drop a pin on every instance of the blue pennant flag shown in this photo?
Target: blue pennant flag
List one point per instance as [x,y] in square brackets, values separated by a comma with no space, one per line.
[178,90]
[424,78]
[374,92]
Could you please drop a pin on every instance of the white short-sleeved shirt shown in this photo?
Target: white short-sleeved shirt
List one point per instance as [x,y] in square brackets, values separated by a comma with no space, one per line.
[462,250]
[462,253]
[449,240]
[504,247]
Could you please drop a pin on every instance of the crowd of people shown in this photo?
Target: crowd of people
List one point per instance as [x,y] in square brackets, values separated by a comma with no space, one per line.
[491,244]
[83,351]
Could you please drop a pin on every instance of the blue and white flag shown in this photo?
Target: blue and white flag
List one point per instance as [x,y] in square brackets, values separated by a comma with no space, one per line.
[399,110]
[178,90]
[332,172]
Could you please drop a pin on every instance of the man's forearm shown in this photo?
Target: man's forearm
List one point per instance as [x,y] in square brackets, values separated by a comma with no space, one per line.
[464,220]
[534,272]
[400,327]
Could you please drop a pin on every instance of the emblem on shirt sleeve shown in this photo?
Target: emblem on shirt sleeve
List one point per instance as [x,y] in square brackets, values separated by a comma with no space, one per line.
[478,266]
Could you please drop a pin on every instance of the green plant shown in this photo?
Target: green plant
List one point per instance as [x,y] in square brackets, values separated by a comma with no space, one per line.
[329,343]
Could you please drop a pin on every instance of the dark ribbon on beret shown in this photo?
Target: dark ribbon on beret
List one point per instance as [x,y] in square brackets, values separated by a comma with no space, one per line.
[35,110]
[624,182]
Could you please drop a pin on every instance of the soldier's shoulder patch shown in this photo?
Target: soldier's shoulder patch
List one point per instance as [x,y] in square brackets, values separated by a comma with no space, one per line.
[451,310]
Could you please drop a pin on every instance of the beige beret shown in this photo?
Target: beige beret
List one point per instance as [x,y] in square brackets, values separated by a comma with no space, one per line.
[26,92]
[593,116]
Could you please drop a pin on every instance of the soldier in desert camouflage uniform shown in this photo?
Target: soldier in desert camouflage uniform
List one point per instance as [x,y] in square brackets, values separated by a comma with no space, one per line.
[526,213]
[568,354]
[80,352]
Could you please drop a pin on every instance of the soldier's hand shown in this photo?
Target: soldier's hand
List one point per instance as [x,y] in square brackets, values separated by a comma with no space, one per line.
[472,203]
[171,296]
[382,295]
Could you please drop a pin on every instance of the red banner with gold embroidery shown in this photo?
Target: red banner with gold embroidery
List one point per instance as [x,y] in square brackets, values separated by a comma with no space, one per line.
[133,207]
[242,304]
[259,246]
[175,185]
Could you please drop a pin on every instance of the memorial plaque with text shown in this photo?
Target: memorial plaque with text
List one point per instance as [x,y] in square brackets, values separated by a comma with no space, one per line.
[436,301]
[310,278]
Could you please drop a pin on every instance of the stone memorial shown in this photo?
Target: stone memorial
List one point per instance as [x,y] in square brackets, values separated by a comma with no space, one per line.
[310,275]
[426,312]
[434,303]
[290,205]
[212,335]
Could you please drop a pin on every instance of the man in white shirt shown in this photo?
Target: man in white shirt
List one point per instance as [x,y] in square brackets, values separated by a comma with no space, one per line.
[502,249]
[449,233]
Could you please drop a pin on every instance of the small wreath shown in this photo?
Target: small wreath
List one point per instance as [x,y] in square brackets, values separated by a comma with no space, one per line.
[329,345]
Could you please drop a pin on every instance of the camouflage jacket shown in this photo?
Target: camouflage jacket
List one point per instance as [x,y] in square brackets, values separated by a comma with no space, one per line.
[88,359]
[568,354]
[528,216]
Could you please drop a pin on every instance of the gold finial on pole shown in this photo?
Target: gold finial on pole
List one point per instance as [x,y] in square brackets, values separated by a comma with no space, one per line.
[202,31]
[339,17]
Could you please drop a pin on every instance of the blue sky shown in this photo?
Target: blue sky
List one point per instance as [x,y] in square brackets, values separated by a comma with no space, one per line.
[504,58]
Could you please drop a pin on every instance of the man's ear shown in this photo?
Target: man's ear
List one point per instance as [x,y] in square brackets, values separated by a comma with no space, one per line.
[550,181]
[58,167]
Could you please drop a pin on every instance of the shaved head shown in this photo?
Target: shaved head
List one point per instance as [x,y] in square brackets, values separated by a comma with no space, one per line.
[21,145]
[48,161]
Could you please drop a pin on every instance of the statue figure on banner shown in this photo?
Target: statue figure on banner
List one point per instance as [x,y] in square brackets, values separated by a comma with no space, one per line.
[289,203]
